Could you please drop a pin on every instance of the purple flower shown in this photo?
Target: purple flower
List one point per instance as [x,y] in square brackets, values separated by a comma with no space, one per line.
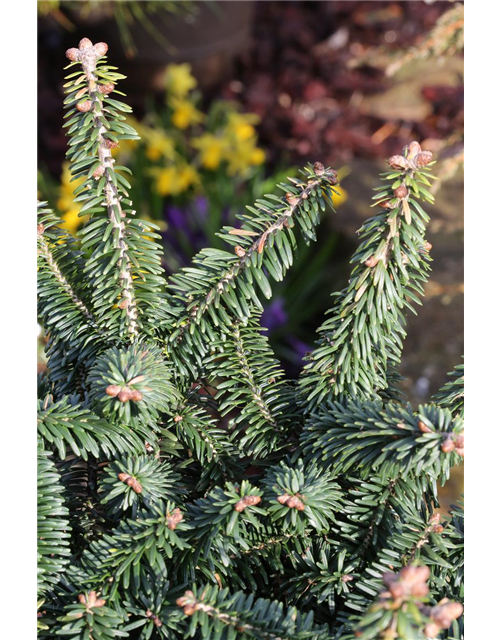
[201,207]
[274,314]
[298,347]
[176,218]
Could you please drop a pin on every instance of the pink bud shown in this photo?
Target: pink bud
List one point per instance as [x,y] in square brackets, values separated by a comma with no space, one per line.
[73,54]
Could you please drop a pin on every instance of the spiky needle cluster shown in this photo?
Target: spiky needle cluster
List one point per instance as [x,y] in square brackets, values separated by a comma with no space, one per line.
[186,488]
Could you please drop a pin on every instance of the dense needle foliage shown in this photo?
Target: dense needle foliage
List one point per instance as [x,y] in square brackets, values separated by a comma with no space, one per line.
[186,488]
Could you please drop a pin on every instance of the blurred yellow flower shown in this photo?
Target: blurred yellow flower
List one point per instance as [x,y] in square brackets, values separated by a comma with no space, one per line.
[71,221]
[339,197]
[257,156]
[240,137]
[240,125]
[185,114]
[166,181]
[243,155]
[178,80]
[232,143]
[212,150]
[187,176]
[65,204]
[159,145]
[175,179]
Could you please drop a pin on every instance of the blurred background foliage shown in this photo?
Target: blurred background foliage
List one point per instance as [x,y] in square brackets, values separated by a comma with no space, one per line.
[230,97]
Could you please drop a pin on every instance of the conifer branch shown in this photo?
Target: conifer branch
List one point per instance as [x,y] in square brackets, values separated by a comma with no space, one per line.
[64,309]
[53,530]
[451,395]
[256,391]
[377,516]
[322,573]
[88,55]
[301,496]
[449,579]
[221,285]
[226,512]
[419,536]
[391,439]
[198,431]
[363,338]
[260,619]
[400,610]
[130,482]
[267,543]
[65,423]
[169,467]
[47,255]
[121,281]
[373,510]
[432,526]
[90,618]
[56,256]
[146,540]
[247,376]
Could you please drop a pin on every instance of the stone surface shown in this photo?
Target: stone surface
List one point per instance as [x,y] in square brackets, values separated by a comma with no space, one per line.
[404,99]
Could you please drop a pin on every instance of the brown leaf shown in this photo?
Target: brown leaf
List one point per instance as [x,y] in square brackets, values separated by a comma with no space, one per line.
[262,241]
[242,232]
[81,93]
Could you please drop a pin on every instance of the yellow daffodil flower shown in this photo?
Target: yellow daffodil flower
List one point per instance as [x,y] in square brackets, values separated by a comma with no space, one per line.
[159,145]
[257,156]
[179,80]
[71,221]
[185,114]
[166,180]
[240,125]
[339,197]
[174,179]
[212,150]
[242,155]
[188,177]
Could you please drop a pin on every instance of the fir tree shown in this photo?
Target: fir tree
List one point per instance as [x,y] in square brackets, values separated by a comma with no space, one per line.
[186,487]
